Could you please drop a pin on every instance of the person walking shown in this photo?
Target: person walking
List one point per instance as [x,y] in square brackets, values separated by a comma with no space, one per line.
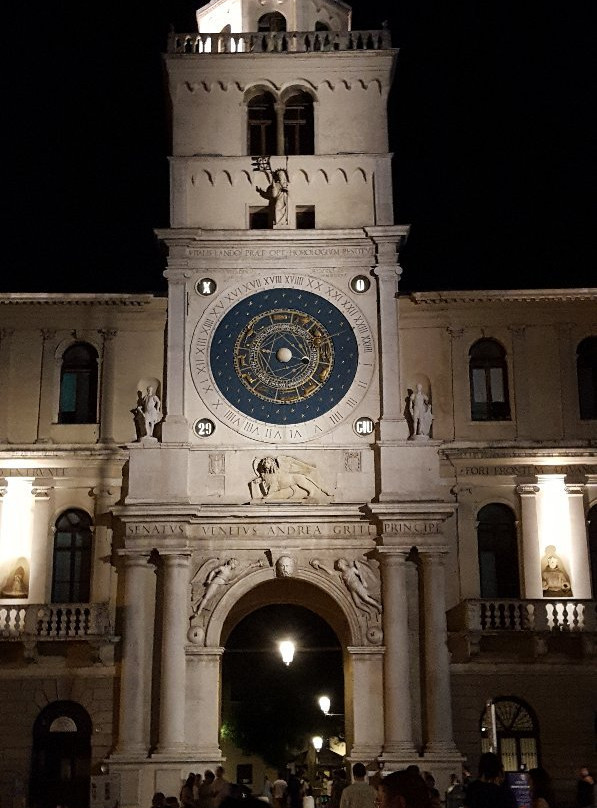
[279,789]
[490,790]
[360,794]
[402,789]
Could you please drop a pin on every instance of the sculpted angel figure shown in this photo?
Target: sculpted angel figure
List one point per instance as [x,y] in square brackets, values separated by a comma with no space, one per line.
[220,576]
[353,579]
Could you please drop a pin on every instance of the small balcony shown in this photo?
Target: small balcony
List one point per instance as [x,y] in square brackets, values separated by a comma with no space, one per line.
[279,42]
[33,624]
[522,629]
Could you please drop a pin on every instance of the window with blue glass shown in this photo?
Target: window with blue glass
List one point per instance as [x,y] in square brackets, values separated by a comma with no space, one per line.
[71,579]
[78,385]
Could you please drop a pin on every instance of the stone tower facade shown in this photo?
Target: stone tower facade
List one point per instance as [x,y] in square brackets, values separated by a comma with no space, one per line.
[290,468]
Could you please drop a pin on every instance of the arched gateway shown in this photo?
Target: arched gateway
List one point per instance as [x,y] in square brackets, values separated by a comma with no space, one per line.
[287,471]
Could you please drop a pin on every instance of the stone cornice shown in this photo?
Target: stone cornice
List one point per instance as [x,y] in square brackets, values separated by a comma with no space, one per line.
[87,299]
[583,451]
[503,296]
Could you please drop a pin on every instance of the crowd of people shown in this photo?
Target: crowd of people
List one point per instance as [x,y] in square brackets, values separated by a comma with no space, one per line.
[407,788]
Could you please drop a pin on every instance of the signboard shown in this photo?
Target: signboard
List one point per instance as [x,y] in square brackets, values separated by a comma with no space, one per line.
[518,782]
[105,791]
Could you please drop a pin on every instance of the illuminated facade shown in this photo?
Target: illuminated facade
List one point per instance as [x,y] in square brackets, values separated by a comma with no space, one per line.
[418,470]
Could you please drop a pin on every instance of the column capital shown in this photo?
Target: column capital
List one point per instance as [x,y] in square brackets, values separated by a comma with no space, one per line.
[107,333]
[41,493]
[433,555]
[48,333]
[455,333]
[575,489]
[527,489]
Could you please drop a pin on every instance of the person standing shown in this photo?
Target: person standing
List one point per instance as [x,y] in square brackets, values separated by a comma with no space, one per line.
[205,797]
[489,791]
[221,787]
[585,789]
[279,790]
[360,794]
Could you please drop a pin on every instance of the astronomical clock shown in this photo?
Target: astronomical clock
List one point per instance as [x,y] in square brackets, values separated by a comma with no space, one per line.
[282,358]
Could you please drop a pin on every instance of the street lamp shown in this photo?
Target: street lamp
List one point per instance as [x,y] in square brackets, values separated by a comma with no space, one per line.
[325,704]
[317,742]
[287,651]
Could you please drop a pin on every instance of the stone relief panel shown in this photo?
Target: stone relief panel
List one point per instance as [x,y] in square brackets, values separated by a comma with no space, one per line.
[286,479]
[217,463]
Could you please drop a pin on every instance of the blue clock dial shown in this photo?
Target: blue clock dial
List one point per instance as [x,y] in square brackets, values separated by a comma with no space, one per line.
[284,356]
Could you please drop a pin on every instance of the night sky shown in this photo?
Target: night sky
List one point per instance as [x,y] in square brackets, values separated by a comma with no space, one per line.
[492,123]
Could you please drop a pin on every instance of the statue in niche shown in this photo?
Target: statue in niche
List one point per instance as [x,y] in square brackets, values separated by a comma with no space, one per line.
[276,192]
[147,413]
[421,417]
[354,580]
[219,577]
[285,566]
[554,579]
[16,587]
[285,479]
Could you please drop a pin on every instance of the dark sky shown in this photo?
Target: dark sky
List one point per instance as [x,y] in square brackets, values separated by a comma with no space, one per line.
[492,123]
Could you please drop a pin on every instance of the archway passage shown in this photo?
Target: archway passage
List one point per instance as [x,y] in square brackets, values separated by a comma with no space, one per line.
[61,758]
[269,709]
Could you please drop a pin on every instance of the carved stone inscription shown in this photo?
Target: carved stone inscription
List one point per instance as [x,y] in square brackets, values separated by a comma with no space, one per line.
[285,529]
[412,527]
[280,253]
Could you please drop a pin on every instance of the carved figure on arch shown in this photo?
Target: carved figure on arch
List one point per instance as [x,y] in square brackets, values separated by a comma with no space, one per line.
[219,577]
[285,566]
[284,478]
[353,578]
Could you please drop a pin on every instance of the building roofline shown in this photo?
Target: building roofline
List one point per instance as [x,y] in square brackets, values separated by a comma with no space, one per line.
[74,299]
[502,296]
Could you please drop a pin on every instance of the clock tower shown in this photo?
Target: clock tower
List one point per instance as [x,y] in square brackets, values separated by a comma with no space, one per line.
[284,472]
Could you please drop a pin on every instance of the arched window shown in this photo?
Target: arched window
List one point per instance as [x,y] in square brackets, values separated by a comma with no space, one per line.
[498,552]
[78,385]
[298,124]
[586,369]
[271,22]
[489,381]
[71,580]
[592,525]
[261,125]
[517,733]
[61,756]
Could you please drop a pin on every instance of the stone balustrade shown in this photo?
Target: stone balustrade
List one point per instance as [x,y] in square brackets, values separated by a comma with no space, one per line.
[539,615]
[279,42]
[58,621]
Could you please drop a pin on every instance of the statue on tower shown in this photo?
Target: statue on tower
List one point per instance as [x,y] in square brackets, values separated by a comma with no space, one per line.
[276,192]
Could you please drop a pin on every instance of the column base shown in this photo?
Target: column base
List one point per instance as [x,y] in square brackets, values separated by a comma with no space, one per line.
[364,752]
[131,754]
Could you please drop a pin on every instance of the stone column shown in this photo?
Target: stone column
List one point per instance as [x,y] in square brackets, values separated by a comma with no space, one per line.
[468,557]
[175,427]
[397,686]
[580,564]
[107,387]
[279,108]
[5,344]
[173,665]
[520,373]
[438,694]
[137,649]
[48,394]
[105,498]
[203,702]
[367,702]
[531,556]
[41,545]
[570,412]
